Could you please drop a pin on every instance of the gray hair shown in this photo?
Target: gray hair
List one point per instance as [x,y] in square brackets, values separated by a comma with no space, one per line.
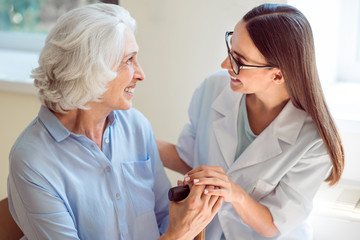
[81,55]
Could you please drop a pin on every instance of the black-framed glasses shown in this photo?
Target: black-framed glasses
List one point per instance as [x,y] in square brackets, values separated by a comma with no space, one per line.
[235,65]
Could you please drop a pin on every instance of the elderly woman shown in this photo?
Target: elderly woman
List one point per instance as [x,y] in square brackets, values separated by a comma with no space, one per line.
[88,166]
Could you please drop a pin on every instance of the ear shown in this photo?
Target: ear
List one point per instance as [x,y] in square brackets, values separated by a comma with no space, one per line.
[278,77]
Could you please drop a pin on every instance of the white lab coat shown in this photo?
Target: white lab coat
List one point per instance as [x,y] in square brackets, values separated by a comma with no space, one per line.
[282,168]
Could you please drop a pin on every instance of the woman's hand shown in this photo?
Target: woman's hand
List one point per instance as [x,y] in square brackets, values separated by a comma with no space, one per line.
[213,176]
[188,217]
[254,214]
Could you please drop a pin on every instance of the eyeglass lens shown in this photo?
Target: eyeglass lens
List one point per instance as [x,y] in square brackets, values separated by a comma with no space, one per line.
[234,64]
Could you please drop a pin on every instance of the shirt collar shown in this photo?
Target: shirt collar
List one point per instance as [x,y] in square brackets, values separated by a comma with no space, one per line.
[111,118]
[52,124]
[55,127]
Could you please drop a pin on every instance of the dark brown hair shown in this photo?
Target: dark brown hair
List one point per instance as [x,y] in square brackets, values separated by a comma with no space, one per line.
[284,37]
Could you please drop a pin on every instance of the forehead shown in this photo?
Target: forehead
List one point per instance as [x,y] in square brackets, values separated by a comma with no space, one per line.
[130,42]
[243,44]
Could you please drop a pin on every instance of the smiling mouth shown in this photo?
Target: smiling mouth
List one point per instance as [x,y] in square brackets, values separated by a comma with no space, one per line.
[234,78]
[129,90]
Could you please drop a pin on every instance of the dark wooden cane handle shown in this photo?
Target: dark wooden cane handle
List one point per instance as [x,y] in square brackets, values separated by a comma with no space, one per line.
[178,193]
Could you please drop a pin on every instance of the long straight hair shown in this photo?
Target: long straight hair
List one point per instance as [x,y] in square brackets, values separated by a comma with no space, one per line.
[284,37]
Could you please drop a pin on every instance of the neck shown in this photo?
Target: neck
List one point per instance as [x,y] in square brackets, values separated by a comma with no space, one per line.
[90,123]
[269,101]
[262,109]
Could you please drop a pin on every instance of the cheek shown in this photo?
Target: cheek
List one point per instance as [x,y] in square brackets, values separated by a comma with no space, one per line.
[247,76]
[124,78]
[126,75]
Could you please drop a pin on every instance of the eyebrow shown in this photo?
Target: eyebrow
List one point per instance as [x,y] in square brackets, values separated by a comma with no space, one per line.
[130,54]
[240,56]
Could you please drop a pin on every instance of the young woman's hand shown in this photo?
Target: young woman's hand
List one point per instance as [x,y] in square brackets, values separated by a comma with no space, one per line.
[213,176]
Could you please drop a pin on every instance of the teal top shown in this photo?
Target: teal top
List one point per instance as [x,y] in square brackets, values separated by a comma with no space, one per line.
[245,134]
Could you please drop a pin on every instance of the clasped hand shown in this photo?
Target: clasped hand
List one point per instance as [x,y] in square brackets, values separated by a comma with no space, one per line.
[188,217]
[222,185]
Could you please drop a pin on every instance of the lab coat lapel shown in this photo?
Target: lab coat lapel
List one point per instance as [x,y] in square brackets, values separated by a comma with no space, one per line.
[285,127]
[225,127]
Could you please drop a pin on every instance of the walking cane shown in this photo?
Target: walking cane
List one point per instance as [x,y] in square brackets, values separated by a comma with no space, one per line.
[179,193]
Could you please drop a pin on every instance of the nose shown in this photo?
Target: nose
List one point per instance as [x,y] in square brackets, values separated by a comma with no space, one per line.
[139,74]
[226,63]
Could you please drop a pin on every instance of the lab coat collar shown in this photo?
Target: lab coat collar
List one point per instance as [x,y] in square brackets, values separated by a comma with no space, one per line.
[285,127]
[225,128]
[289,123]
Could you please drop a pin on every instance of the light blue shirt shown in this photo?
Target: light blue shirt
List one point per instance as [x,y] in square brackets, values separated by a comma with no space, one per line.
[62,186]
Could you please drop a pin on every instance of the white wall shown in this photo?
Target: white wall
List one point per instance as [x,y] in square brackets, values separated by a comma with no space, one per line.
[17,110]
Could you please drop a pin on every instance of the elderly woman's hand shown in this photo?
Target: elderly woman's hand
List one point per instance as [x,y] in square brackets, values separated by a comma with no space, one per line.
[188,217]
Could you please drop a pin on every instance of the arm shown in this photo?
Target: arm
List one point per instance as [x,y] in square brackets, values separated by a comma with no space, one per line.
[170,157]
[278,209]
[254,214]
[39,212]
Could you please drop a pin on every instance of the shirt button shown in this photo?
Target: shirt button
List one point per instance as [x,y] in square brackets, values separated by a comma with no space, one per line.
[108,169]
[117,196]
[107,140]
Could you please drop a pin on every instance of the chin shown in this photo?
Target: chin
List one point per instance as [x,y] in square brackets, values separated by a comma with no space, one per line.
[236,89]
[125,106]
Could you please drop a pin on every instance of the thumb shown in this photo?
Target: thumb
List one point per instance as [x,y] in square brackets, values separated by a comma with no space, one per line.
[197,191]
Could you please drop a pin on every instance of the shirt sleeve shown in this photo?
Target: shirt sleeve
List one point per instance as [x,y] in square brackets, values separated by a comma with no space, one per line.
[186,141]
[35,206]
[290,203]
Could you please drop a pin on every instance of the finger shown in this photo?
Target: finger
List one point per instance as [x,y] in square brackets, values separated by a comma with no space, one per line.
[180,183]
[196,191]
[205,168]
[207,197]
[206,174]
[217,205]
[220,183]
[215,192]
[213,198]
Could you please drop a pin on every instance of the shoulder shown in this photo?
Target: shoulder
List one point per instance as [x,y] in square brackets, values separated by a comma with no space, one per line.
[310,134]
[132,120]
[216,82]
[31,145]
[132,116]
[211,88]
[296,127]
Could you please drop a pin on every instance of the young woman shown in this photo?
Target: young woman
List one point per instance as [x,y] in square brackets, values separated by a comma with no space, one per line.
[260,132]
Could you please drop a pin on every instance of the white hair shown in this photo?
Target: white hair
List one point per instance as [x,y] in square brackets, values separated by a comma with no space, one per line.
[81,55]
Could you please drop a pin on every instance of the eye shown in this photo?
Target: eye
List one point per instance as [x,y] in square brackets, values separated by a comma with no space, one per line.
[239,61]
[130,60]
